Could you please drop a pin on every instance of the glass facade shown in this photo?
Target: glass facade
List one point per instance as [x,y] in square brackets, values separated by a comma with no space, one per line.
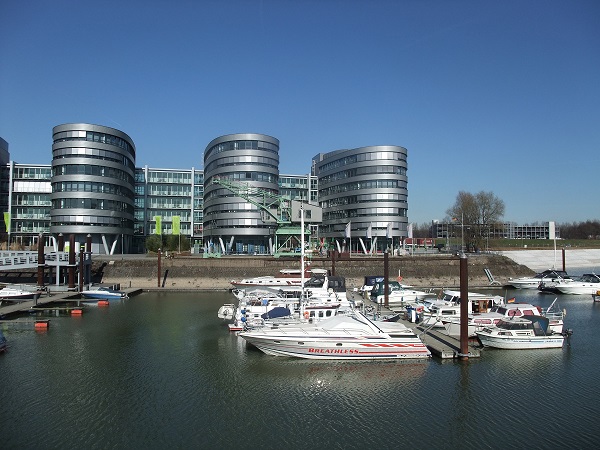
[93,187]
[231,222]
[367,188]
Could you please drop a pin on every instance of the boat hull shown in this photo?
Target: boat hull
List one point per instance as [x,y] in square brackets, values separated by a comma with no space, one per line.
[513,343]
[341,349]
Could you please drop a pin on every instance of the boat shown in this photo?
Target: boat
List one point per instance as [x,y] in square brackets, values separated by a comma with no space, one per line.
[520,333]
[477,322]
[343,337]
[547,276]
[3,343]
[103,293]
[286,277]
[260,308]
[447,308]
[398,294]
[16,294]
[586,284]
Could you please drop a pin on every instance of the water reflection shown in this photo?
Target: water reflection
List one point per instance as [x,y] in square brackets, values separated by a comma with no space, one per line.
[160,370]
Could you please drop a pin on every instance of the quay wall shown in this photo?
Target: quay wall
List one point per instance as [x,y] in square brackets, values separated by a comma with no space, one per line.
[197,273]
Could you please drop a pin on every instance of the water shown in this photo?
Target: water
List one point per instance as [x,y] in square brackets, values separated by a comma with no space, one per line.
[161,371]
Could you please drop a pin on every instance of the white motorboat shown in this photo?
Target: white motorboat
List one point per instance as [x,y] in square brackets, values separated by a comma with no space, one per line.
[263,308]
[398,294]
[286,278]
[586,284]
[478,321]
[527,332]
[546,277]
[103,293]
[15,294]
[345,337]
[447,308]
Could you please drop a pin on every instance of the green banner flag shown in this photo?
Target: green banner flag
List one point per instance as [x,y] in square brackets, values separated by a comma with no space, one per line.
[7,221]
[176,223]
[158,225]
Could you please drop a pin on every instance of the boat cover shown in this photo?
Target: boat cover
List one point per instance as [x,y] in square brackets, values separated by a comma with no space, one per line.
[278,311]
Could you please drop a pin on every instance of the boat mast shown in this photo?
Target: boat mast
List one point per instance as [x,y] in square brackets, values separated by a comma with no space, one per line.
[302,259]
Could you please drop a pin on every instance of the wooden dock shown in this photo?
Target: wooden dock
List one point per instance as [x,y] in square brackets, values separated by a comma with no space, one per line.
[50,301]
[439,343]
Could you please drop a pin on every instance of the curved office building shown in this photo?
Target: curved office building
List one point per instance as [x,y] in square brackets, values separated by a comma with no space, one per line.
[231,221]
[93,170]
[366,187]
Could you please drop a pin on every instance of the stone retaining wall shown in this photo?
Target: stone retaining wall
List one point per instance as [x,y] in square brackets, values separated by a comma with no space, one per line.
[195,273]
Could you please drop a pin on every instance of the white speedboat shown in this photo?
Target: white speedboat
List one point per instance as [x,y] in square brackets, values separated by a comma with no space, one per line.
[14,294]
[344,337]
[546,277]
[586,284]
[527,332]
[103,293]
[477,322]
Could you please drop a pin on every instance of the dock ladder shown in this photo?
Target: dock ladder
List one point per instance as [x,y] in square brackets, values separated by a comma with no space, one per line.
[490,277]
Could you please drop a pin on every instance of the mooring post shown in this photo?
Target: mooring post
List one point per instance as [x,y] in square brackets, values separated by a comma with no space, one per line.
[386,284]
[333,257]
[158,285]
[464,307]
[41,261]
[81,253]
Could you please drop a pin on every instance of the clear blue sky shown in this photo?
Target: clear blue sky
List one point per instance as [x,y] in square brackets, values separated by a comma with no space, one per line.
[500,96]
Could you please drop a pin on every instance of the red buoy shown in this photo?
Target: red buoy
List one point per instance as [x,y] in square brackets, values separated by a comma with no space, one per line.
[103,303]
[41,325]
[76,312]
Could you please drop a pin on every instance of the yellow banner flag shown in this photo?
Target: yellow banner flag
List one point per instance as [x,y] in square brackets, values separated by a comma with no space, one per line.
[7,221]
[158,225]
[176,224]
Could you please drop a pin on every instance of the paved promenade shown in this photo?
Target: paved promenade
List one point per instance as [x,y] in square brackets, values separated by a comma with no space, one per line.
[539,260]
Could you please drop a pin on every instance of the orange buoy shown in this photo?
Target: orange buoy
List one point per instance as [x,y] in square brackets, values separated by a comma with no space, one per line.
[41,325]
[103,303]
[76,312]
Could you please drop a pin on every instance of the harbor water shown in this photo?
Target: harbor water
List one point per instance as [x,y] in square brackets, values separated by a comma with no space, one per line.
[160,370]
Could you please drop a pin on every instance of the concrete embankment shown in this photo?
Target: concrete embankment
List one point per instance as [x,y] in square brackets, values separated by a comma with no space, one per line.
[196,273]
[539,260]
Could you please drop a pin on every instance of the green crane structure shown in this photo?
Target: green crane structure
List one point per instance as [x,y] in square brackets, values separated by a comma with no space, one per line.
[274,209]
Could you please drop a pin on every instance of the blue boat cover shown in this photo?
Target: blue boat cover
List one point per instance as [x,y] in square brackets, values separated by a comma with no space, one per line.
[278,311]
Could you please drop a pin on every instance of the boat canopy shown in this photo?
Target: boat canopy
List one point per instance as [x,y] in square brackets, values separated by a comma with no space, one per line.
[276,312]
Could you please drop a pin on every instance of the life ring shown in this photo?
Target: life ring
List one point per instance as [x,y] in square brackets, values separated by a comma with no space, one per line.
[419,309]
[399,278]
[306,314]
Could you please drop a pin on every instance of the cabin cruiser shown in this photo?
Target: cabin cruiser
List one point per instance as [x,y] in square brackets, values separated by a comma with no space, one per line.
[343,337]
[586,284]
[268,306]
[519,333]
[448,307]
[546,277]
[509,310]
[286,277]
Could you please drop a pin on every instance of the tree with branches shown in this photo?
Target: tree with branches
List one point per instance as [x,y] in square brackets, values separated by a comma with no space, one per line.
[477,214]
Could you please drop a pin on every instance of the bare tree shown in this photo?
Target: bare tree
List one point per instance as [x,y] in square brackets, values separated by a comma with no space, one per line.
[477,214]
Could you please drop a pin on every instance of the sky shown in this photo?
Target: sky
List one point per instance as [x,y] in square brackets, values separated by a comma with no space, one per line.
[494,96]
